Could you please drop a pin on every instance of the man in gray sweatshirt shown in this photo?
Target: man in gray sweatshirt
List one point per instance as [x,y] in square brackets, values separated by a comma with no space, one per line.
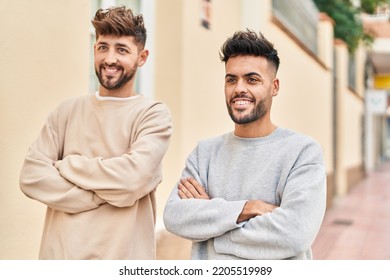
[258,192]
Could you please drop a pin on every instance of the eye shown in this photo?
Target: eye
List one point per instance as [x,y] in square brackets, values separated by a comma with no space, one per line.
[252,80]
[102,48]
[230,80]
[122,50]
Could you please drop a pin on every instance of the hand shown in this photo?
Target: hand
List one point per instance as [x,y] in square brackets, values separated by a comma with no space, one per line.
[190,188]
[253,208]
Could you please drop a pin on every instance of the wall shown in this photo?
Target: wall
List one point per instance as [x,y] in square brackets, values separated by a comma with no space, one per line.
[44,53]
[349,122]
[304,102]
[353,142]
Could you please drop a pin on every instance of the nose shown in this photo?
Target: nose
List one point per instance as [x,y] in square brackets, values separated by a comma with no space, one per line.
[110,58]
[241,87]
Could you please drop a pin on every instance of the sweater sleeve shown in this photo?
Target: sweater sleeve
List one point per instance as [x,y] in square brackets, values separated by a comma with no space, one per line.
[40,180]
[290,229]
[124,179]
[199,219]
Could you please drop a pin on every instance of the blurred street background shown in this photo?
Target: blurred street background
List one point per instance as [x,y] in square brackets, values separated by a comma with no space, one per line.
[357,226]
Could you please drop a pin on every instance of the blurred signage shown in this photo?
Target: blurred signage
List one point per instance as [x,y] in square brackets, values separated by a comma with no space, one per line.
[382,81]
[376,101]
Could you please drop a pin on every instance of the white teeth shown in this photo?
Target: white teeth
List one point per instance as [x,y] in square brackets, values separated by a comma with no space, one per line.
[242,102]
[110,69]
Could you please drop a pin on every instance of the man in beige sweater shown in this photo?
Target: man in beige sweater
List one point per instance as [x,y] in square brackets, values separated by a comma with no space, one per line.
[97,160]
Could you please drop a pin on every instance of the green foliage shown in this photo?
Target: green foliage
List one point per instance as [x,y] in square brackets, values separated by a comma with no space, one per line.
[369,6]
[348,25]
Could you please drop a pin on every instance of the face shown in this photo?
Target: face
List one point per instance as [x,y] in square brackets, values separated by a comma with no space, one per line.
[250,85]
[116,60]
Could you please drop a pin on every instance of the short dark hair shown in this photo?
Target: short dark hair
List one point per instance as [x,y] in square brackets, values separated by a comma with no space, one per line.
[120,21]
[249,43]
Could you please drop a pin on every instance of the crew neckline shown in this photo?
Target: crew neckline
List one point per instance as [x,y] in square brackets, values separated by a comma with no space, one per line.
[276,135]
[102,98]
[276,131]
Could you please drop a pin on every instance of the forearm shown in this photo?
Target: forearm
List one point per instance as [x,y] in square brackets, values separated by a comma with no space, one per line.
[40,180]
[288,230]
[268,237]
[200,219]
[253,208]
[122,179]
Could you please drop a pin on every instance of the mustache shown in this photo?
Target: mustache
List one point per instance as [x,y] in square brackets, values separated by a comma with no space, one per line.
[242,95]
[102,65]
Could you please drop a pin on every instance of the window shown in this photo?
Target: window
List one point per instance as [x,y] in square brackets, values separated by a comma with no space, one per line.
[300,17]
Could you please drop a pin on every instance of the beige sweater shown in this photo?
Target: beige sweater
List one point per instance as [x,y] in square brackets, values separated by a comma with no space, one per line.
[96,165]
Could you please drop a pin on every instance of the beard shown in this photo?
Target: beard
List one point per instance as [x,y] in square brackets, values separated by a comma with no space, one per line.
[255,114]
[110,83]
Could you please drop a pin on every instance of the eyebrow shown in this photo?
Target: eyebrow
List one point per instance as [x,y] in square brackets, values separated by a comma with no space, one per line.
[122,45]
[116,45]
[246,75]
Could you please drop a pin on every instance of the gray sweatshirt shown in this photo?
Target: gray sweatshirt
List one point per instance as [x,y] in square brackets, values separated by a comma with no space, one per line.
[284,168]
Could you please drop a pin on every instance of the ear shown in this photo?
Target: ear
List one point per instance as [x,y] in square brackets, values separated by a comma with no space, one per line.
[275,85]
[142,57]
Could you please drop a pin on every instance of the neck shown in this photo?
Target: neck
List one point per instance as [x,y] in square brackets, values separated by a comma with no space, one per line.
[126,91]
[254,129]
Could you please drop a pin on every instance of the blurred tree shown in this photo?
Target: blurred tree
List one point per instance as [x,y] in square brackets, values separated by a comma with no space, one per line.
[348,26]
[369,6]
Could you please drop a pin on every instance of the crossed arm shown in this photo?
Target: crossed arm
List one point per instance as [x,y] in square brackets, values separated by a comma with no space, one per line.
[241,227]
[281,232]
[76,183]
[40,180]
[190,188]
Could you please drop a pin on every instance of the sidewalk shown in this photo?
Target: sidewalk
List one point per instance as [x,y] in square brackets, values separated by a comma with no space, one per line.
[357,226]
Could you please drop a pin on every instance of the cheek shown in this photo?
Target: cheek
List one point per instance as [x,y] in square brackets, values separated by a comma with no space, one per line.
[129,62]
[97,58]
[229,89]
[228,92]
[96,63]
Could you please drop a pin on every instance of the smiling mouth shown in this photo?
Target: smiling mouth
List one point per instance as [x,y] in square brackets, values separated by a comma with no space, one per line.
[242,102]
[111,70]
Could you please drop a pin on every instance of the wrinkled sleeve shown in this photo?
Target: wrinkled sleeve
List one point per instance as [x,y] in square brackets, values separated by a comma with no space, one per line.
[40,180]
[199,219]
[124,179]
[290,229]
